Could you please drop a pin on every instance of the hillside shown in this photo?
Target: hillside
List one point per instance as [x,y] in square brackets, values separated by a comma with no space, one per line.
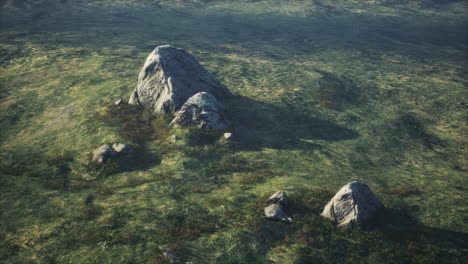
[325,93]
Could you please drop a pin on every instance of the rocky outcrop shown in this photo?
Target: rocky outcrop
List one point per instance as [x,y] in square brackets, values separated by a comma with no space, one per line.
[106,152]
[202,110]
[277,208]
[169,77]
[355,205]
[103,154]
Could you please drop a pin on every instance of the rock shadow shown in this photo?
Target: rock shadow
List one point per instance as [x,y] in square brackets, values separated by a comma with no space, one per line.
[258,124]
[136,127]
[399,227]
[141,159]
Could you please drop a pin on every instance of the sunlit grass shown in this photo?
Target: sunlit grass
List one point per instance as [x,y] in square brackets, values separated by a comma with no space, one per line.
[326,93]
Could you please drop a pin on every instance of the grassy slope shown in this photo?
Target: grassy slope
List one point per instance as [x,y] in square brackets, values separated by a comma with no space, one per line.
[326,94]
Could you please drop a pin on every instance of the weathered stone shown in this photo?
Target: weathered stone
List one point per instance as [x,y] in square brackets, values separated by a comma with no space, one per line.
[118,102]
[275,212]
[228,136]
[279,198]
[169,77]
[103,154]
[354,205]
[202,110]
[121,148]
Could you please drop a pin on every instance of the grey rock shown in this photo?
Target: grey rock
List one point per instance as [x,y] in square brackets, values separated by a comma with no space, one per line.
[279,197]
[355,205]
[202,110]
[275,212]
[169,77]
[228,136]
[121,148]
[103,154]
[118,102]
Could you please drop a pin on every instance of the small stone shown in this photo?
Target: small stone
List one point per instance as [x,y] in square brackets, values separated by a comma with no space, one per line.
[122,149]
[274,212]
[175,138]
[279,197]
[118,102]
[228,136]
[103,154]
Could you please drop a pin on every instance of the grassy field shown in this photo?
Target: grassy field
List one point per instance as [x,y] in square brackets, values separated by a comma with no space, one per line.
[326,92]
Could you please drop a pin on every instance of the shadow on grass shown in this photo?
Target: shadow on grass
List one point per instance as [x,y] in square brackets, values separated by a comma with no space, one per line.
[397,226]
[140,160]
[137,126]
[256,125]
[259,124]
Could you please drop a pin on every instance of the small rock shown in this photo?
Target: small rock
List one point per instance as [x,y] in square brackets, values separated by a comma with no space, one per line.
[118,102]
[279,197]
[354,205]
[228,136]
[202,110]
[121,148]
[274,212]
[103,245]
[103,154]
[175,138]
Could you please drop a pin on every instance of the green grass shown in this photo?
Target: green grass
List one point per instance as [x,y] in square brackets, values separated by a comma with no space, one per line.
[326,92]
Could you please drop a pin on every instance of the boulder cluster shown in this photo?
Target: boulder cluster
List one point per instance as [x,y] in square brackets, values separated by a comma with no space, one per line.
[173,81]
[106,152]
[354,205]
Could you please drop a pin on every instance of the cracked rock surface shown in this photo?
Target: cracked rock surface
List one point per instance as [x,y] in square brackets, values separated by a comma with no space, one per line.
[275,212]
[354,205]
[204,111]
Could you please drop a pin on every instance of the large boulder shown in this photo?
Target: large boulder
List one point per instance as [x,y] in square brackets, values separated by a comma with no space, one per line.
[103,154]
[202,110]
[169,77]
[355,205]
